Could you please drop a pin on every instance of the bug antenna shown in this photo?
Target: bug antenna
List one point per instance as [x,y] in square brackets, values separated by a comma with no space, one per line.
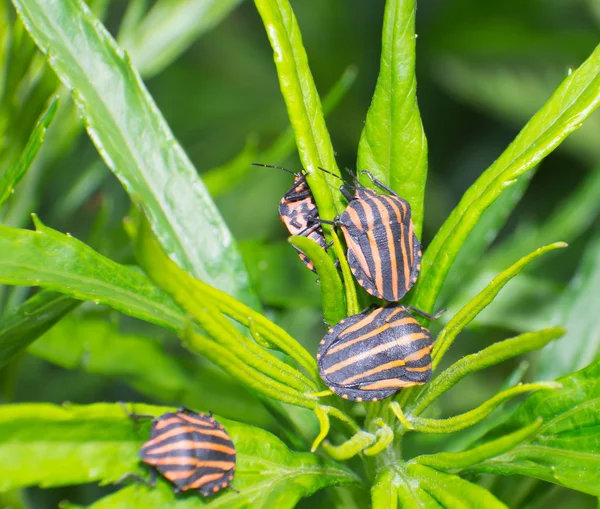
[273,166]
[330,173]
[353,177]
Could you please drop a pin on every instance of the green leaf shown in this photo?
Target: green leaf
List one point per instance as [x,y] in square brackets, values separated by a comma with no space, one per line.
[14,174]
[96,346]
[494,354]
[383,492]
[578,312]
[450,491]
[457,461]
[574,100]
[135,141]
[169,28]
[47,445]
[462,318]
[416,486]
[59,262]
[393,144]
[472,417]
[334,304]
[32,319]
[566,449]
[205,304]
[303,103]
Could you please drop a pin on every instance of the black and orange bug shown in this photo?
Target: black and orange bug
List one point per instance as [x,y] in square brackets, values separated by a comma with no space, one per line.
[298,211]
[191,450]
[384,252]
[372,355]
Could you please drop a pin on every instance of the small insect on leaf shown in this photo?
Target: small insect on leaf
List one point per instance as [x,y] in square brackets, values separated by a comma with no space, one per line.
[191,450]
[298,211]
[384,252]
[372,355]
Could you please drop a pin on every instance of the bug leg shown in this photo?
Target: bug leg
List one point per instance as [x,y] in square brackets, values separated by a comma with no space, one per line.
[138,478]
[426,315]
[233,489]
[297,196]
[132,415]
[378,182]
[368,308]
[347,191]
[185,410]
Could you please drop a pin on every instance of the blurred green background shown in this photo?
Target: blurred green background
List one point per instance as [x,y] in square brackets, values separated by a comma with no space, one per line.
[483,69]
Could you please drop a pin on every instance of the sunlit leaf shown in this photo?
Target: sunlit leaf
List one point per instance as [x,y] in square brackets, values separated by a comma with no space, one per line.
[100,443]
[393,144]
[135,141]
[303,103]
[59,262]
[416,486]
[96,346]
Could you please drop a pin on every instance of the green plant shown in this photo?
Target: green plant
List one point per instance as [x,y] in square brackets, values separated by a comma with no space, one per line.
[189,279]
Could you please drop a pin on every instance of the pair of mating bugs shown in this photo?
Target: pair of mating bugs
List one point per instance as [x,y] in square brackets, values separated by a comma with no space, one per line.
[371,355]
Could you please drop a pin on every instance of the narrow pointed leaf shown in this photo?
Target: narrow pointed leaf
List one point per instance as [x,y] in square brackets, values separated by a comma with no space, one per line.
[135,141]
[197,298]
[169,28]
[33,318]
[61,263]
[478,303]
[14,174]
[457,461]
[574,100]
[393,144]
[334,303]
[566,449]
[472,417]
[96,346]
[303,103]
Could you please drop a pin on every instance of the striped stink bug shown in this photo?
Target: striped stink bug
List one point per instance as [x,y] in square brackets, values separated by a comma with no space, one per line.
[384,252]
[191,450]
[372,355]
[298,211]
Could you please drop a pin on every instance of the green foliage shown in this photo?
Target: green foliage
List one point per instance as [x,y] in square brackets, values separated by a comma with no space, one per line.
[168,29]
[566,448]
[393,144]
[575,99]
[183,325]
[22,326]
[12,176]
[135,141]
[303,102]
[76,444]
[59,262]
